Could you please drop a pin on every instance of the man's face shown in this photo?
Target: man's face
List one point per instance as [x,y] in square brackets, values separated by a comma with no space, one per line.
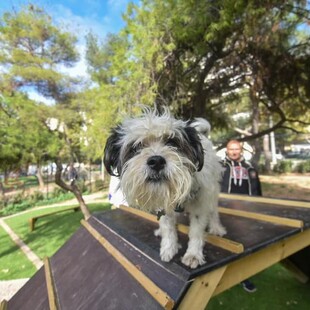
[233,151]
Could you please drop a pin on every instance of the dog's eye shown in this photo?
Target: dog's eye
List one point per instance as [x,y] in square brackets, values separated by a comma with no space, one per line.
[137,147]
[172,143]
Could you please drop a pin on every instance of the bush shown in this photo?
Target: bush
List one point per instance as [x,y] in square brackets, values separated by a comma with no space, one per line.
[17,199]
[58,191]
[20,203]
[303,167]
[283,166]
[14,208]
[35,197]
[98,185]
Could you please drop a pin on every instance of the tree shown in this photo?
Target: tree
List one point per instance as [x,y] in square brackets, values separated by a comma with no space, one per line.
[32,53]
[200,57]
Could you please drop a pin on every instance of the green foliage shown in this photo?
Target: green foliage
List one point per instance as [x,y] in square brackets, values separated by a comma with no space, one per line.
[303,167]
[283,166]
[98,185]
[33,47]
[20,202]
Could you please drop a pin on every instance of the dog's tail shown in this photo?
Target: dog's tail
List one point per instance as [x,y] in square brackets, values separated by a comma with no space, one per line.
[201,125]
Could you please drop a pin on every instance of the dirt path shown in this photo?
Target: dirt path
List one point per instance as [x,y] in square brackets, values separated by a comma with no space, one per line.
[289,186]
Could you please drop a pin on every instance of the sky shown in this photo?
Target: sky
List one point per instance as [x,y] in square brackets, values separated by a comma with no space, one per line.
[79,17]
[100,16]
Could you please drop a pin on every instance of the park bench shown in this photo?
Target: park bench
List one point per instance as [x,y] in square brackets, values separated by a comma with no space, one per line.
[33,219]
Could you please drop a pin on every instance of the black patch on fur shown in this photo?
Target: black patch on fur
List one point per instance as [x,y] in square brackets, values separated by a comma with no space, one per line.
[112,152]
[194,150]
[190,145]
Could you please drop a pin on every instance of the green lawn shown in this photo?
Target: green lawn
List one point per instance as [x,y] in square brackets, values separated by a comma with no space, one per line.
[277,289]
[49,235]
[13,262]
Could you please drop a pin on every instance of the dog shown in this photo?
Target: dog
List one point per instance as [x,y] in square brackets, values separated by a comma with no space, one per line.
[166,164]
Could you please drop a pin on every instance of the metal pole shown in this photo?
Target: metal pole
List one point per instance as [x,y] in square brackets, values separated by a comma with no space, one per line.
[272,143]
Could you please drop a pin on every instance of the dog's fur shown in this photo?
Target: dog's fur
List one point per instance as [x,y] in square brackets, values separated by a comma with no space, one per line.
[164,163]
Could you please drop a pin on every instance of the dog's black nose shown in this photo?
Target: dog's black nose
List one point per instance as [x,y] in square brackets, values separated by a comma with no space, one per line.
[156,162]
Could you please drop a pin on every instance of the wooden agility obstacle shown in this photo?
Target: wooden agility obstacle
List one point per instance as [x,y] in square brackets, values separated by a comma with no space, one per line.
[112,261]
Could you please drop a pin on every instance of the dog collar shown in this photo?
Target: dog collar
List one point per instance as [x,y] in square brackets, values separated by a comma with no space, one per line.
[178,209]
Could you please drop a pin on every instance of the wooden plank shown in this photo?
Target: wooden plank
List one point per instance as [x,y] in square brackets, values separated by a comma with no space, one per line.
[263,217]
[33,220]
[296,272]
[202,290]
[3,305]
[160,296]
[271,201]
[221,242]
[51,292]
[247,266]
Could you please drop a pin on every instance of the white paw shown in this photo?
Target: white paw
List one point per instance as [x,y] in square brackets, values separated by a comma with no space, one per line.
[193,261]
[168,252]
[217,230]
[157,232]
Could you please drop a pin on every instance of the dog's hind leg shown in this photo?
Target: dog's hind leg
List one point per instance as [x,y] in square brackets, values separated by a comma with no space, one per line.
[194,253]
[168,232]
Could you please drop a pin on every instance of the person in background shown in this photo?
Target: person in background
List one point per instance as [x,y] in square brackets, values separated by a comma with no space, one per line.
[239,177]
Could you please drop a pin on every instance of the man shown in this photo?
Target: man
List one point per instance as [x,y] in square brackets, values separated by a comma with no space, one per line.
[239,177]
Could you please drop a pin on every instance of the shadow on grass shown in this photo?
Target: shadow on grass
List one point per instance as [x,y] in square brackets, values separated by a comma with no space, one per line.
[50,232]
[13,263]
[277,289]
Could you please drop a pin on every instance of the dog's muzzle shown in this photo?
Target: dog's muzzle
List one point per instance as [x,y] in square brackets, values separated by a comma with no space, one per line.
[156,164]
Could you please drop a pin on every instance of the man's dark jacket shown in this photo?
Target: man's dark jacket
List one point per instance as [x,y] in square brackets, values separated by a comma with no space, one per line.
[254,186]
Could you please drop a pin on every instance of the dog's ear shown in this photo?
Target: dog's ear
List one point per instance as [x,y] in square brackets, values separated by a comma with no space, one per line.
[112,153]
[193,139]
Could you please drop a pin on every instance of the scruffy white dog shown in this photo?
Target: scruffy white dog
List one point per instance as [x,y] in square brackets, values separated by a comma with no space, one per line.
[168,164]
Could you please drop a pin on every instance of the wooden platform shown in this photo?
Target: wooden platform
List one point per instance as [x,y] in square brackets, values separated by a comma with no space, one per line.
[112,261]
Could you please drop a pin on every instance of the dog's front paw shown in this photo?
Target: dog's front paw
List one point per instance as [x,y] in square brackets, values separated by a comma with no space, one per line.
[192,260]
[168,252]
[157,232]
[217,230]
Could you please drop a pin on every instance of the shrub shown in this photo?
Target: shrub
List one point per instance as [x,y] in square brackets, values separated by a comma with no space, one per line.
[303,167]
[58,191]
[35,197]
[283,166]
[14,208]
[98,185]
[17,199]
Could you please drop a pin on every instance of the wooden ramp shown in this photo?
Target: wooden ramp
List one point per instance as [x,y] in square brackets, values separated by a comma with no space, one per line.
[112,261]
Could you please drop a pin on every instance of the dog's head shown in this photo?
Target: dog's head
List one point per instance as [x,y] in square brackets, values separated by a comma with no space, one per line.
[155,157]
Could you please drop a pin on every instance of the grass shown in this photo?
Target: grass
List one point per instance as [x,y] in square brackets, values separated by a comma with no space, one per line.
[49,235]
[13,262]
[277,289]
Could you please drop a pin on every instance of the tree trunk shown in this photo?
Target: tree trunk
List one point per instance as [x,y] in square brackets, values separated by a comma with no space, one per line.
[255,124]
[6,176]
[73,188]
[39,176]
[2,191]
